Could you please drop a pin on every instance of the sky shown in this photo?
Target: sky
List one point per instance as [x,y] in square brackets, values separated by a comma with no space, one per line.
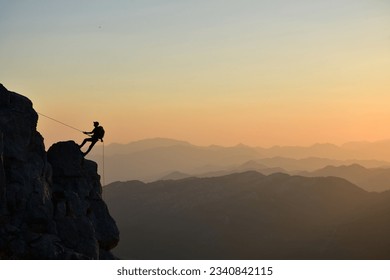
[257,72]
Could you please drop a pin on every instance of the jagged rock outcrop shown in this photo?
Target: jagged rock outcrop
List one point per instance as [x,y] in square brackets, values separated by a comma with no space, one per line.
[50,203]
[82,218]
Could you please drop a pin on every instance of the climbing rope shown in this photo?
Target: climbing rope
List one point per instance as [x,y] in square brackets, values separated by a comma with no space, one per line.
[79,131]
[60,122]
[104,181]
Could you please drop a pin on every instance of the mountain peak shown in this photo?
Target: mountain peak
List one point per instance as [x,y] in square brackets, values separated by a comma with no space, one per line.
[241,145]
[161,141]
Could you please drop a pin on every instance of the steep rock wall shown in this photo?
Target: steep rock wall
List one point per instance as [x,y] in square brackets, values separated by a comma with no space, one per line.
[50,203]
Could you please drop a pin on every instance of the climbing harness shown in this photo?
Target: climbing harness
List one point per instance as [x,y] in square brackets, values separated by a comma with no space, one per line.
[103,179]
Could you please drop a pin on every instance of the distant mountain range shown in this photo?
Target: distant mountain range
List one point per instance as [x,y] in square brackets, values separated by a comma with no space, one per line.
[250,216]
[251,165]
[379,150]
[152,159]
[370,179]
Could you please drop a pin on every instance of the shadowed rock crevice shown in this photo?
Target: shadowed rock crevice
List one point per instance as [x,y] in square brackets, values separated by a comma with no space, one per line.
[51,203]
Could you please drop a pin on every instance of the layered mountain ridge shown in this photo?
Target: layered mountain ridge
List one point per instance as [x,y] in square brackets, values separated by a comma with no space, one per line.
[153,159]
[250,216]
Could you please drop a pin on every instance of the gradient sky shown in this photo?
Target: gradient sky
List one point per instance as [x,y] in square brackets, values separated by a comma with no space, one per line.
[259,72]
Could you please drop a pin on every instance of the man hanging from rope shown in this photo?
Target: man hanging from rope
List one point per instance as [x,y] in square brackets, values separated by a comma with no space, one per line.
[96,134]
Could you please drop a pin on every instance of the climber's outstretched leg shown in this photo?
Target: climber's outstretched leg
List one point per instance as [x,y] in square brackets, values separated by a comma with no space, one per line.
[85,141]
[90,147]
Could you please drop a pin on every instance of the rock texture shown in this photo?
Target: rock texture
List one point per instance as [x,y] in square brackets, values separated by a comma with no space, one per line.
[51,203]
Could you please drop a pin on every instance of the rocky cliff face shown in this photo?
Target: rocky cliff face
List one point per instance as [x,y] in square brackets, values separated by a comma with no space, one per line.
[50,203]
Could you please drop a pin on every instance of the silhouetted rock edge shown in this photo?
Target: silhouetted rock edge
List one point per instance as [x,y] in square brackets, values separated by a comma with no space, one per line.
[51,203]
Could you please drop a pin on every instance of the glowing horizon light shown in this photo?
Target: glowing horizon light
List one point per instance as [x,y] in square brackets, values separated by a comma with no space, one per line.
[261,73]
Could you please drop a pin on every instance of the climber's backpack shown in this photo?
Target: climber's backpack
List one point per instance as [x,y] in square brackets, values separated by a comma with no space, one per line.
[99,133]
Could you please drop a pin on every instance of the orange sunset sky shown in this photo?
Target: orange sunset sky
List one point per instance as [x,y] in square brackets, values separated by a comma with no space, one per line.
[257,72]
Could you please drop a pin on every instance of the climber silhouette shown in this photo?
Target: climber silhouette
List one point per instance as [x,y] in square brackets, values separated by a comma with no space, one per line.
[97,134]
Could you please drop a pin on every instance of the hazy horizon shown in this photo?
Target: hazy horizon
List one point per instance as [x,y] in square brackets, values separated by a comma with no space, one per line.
[209,144]
[152,159]
[245,144]
[262,73]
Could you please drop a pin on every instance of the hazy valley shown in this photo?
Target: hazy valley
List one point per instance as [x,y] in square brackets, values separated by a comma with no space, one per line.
[154,159]
[181,201]
[250,216]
